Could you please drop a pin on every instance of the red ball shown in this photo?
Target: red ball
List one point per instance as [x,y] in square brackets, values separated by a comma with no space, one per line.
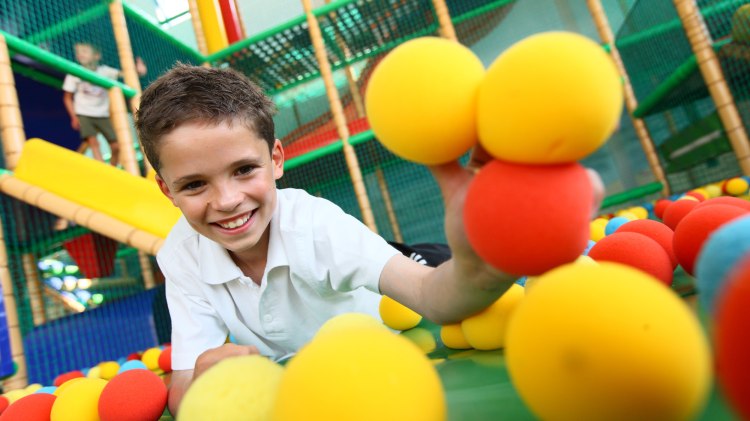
[70,375]
[656,231]
[133,395]
[4,402]
[726,200]
[33,407]
[528,219]
[696,195]
[660,206]
[165,359]
[676,211]
[731,340]
[635,250]
[133,356]
[695,228]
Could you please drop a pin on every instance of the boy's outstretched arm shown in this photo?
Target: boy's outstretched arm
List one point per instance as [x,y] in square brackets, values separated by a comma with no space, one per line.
[464,284]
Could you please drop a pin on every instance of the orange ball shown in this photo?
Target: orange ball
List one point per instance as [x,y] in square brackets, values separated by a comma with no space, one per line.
[165,359]
[637,251]
[676,211]
[527,219]
[34,407]
[656,231]
[133,395]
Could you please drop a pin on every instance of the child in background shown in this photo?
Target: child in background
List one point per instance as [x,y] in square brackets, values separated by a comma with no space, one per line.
[269,266]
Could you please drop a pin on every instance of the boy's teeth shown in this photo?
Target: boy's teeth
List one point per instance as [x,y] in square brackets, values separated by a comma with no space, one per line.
[236,223]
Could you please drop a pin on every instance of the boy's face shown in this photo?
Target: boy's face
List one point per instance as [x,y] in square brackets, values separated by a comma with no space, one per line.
[223,180]
[86,55]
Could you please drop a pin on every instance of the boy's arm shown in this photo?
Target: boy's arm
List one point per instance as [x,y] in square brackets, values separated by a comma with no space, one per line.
[68,101]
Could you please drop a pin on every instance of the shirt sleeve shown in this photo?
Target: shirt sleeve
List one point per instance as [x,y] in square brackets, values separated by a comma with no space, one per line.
[70,84]
[357,255]
[109,72]
[196,327]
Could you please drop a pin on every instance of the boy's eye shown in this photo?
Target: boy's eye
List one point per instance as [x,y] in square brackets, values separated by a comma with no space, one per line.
[193,185]
[245,169]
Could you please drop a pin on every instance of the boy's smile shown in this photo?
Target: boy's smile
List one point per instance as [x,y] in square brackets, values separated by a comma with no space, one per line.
[222,178]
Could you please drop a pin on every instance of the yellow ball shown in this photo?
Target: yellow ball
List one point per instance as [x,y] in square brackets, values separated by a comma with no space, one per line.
[15,395]
[639,211]
[736,186]
[346,321]
[531,281]
[694,199]
[396,315]
[94,373]
[597,228]
[607,342]
[421,338]
[486,330]
[453,337]
[150,358]
[32,387]
[551,98]
[237,388]
[713,190]
[421,100]
[108,369]
[627,214]
[60,389]
[79,401]
[365,375]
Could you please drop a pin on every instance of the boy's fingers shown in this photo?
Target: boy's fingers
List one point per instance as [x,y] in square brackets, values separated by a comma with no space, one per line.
[479,157]
[450,177]
[597,186]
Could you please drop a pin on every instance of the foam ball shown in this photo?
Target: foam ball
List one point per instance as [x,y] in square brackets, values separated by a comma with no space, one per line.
[639,211]
[134,395]
[697,195]
[703,192]
[15,395]
[635,250]
[165,360]
[732,344]
[150,357]
[486,329]
[696,227]
[62,378]
[588,247]
[78,402]
[720,253]
[608,343]
[726,200]
[132,365]
[660,206]
[108,369]
[713,190]
[47,389]
[366,374]
[616,223]
[735,186]
[690,198]
[656,231]
[396,315]
[32,388]
[34,407]
[597,228]
[348,321]
[676,211]
[421,338]
[531,112]
[453,337]
[4,403]
[421,100]
[95,373]
[60,389]
[237,388]
[512,211]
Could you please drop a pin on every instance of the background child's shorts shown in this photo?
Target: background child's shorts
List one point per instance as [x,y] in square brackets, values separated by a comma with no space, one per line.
[91,126]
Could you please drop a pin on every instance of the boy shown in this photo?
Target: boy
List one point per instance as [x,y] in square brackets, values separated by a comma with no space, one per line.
[271,266]
[88,104]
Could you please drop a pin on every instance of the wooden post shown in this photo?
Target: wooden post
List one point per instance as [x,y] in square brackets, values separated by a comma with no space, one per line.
[200,36]
[631,103]
[13,136]
[338,117]
[713,76]
[34,289]
[119,117]
[125,51]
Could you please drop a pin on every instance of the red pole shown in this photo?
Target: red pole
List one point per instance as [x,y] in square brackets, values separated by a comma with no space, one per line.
[231,20]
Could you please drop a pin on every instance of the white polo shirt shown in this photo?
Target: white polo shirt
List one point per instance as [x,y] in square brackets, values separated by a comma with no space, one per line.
[321,262]
[88,99]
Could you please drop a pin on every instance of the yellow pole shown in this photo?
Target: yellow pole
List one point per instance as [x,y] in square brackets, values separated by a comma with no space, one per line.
[13,136]
[710,67]
[200,36]
[121,125]
[631,103]
[339,118]
[125,51]
[34,288]
[213,25]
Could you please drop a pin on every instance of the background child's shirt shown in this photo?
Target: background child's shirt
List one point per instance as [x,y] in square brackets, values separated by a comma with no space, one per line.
[321,262]
[88,99]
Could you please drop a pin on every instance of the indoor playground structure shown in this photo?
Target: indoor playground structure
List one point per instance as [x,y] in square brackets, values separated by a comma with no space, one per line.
[83,315]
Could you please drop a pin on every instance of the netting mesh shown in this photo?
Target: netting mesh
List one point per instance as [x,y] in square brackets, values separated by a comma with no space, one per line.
[671,91]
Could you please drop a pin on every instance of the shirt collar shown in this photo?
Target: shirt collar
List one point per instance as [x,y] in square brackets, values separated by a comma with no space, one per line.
[217,267]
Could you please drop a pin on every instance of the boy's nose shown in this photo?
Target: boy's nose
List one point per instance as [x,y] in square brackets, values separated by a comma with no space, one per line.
[226,198]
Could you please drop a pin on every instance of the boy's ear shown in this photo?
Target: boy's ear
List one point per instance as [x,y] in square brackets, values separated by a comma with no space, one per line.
[277,156]
[164,188]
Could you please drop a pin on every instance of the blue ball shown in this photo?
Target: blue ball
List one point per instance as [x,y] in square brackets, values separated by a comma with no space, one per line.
[615,223]
[132,365]
[47,389]
[588,247]
[521,281]
[720,253]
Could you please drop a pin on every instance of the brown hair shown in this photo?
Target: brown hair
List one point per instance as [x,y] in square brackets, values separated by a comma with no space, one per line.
[189,94]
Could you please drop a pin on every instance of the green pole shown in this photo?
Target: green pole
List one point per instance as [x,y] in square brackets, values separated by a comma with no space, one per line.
[66,25]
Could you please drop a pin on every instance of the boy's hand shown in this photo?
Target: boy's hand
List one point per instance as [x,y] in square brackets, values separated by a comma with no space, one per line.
[207,359]
[140,67]
[74,123]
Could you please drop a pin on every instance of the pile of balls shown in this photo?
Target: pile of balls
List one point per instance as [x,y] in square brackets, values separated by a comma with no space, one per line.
[131,389]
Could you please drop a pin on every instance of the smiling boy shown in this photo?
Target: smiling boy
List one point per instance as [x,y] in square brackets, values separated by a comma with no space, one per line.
[270,265]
